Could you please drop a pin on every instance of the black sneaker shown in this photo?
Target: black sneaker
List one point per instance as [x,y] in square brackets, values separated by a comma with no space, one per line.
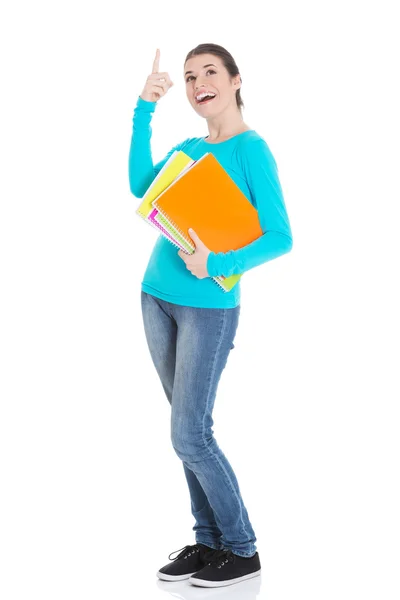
[225,568]
[188,562]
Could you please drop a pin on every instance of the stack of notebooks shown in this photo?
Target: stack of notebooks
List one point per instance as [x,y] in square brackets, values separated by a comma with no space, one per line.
[200,195]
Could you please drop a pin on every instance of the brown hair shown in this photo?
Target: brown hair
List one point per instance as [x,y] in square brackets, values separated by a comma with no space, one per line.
[227,59]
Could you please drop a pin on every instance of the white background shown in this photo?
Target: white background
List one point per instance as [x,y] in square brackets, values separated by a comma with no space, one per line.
[93,497]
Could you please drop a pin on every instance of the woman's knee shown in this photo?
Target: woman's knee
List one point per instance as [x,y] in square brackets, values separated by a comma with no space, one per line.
[188,444]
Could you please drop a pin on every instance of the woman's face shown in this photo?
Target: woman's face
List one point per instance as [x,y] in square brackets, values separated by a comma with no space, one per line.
[207,73]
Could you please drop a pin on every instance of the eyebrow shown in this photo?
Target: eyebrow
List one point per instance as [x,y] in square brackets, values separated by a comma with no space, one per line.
[210,65]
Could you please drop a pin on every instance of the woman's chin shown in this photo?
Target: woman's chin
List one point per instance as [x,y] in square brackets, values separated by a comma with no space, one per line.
[204,112]
[204,109]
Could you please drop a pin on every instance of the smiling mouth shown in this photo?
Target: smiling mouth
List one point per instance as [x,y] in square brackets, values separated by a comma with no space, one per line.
[206,100]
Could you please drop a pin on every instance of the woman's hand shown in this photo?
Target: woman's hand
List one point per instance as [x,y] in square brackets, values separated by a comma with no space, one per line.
[157,84]
[196,262]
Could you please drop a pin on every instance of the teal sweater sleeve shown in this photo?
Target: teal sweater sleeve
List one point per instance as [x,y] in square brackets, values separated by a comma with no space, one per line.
[261,172]
[141,169]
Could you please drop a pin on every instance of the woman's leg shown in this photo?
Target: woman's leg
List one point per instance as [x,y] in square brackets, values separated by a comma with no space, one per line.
[206,529]
[161,334]
[204,340]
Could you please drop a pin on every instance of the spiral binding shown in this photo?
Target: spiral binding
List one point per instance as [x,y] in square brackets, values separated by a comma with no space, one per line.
[146,220]
[174,243]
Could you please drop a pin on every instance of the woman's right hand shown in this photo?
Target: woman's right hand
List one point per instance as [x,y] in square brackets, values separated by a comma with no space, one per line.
[157,84]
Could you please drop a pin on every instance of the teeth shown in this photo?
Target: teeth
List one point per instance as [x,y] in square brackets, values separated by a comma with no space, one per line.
[203,95]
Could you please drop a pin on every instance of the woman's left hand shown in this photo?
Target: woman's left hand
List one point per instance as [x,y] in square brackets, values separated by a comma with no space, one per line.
[196,262]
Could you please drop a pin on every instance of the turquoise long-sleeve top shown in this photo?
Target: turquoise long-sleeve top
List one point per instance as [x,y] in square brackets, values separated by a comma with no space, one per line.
[248,160]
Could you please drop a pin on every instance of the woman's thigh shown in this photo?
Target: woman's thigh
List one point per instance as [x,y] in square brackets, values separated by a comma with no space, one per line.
[161,334]
[204,341]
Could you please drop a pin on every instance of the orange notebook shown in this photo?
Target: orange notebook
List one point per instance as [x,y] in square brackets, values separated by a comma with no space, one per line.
[207,199]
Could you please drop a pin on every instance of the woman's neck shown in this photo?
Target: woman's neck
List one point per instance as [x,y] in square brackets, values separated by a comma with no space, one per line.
[228,136]
[225,126]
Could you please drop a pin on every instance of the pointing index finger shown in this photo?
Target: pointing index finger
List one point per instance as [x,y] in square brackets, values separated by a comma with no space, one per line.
[156,63]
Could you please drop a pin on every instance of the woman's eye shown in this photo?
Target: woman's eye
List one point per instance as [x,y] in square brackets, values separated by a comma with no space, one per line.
[209,71]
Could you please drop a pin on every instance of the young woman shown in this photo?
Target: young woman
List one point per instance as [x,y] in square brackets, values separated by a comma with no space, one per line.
[190,322]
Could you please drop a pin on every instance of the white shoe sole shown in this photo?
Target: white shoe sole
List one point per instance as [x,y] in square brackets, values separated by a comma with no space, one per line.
[166,577]
[206,583]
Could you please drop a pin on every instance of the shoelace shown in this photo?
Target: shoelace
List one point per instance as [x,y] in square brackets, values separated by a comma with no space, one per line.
[188,550]
[219,558]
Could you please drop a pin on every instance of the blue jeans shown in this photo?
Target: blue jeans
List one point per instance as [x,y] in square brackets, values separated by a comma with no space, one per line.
[189,347]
